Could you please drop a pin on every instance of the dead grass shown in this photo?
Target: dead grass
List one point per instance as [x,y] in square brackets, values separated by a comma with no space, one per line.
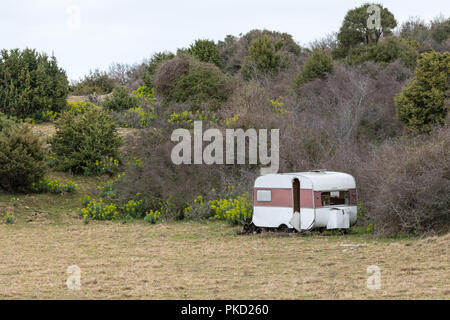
[210,261]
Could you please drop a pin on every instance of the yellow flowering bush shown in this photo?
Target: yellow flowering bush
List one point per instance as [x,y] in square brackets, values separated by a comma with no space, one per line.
[233,210]
[49,115]
[97,209]
[152,216]
[106,165]
[278,105]
[187,118]
[53,186]
[134,209]
[15,201]
[9,218]
[107,190]
[81,107]
[145,93]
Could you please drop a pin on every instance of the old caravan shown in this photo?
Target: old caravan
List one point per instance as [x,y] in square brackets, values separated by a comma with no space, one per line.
[305,200]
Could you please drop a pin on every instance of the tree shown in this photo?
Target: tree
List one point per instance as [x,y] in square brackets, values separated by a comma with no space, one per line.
[30,82]
[356,28]
[264,58]
[423,102]
[206,51]
[318,65]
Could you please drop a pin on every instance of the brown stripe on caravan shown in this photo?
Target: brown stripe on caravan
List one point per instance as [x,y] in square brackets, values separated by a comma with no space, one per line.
[282,197]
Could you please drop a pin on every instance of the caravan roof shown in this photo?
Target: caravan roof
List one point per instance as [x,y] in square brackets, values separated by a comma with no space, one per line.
[316,180]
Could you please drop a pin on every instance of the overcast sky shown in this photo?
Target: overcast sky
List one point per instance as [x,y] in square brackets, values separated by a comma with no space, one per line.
[128,31]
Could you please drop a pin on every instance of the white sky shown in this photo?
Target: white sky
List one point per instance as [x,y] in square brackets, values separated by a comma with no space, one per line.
[129,31]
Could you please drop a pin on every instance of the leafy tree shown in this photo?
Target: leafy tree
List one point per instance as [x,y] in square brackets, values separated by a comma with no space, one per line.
[150,69]
[206,51]
[386,51]
[264,58]
[423,102]
[355,29]
[30,82]
[318,65]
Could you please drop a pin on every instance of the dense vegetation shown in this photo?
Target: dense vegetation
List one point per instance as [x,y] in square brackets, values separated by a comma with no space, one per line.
[373,103]
[30,83]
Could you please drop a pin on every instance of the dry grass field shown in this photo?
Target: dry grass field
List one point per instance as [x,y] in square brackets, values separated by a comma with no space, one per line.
[210,260]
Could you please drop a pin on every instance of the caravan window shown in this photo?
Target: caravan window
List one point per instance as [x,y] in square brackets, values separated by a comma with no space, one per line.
[335,198]
[264,195]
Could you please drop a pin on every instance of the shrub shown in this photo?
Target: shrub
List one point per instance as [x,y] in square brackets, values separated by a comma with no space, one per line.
[386,51]
[139,117]
[30,82]
[134,209]
[234,209]
[53,186]
[80,142]
[184,79]
[186,118]
[96,81]
[97,210]
[318,65]
[80,107]
[9,218]
[152,216]
[423,102]
[120,100]
[22,157]
[264,59]
[167,75]
[406,189]
[205,51]
[440,29]
[155,61]
[233,50]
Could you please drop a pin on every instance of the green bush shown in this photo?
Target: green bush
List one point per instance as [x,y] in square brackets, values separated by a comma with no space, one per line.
[318,65]
[422,103]
[264,58]
[206,51]
[384,52]
[22,157]
[440,29]
[80,142]
[30,82]
[184,79]
[121,100]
